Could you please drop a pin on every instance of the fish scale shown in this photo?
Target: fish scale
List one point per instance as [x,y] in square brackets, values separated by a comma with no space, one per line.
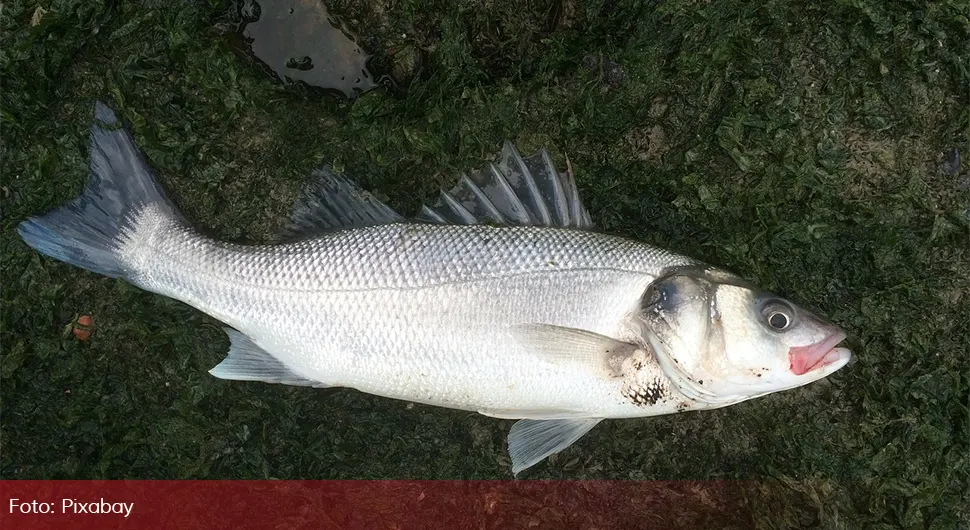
[404,256]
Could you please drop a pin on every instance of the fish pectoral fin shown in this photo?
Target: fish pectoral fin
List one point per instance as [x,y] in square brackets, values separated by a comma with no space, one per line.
[248,362]
[562,345]
[531,441]
[332,201]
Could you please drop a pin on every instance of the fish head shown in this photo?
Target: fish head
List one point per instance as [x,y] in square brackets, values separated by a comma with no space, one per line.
[722,340]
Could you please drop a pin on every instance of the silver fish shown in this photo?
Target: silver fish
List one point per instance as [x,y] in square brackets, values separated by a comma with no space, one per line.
[501,298]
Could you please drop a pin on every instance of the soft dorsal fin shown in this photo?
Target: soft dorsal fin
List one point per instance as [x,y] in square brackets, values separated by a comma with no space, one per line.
[332,201]
[512,191]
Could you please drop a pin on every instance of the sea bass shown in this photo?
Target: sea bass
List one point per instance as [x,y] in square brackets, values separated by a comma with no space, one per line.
[501,298]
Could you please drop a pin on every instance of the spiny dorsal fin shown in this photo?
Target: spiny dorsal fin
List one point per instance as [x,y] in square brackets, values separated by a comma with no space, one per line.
[333,201]
[513,191]
[248,362]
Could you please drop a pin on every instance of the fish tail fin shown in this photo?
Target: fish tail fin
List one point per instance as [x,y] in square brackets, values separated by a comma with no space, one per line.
[89,231]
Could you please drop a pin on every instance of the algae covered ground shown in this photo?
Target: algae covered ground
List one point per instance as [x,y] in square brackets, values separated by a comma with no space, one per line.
[818,148]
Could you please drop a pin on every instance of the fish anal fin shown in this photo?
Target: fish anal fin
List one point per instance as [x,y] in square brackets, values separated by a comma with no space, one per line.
[248,362]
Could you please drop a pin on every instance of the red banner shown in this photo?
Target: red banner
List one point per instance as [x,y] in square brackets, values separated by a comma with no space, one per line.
[464,505]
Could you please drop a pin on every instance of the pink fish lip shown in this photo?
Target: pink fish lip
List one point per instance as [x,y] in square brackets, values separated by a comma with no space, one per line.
[804,359]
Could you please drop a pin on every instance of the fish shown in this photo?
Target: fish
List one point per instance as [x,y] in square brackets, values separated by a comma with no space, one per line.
[501,298]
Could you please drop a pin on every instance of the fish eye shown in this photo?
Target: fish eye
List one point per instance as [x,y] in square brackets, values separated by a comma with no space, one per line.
[778,320]
[778,315]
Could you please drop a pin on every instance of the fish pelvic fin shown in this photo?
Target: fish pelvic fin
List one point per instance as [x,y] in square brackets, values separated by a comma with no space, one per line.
[87,232]
[513,191]
[532,441]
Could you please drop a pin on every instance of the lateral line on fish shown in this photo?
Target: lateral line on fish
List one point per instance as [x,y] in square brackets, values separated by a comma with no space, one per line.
[239,282]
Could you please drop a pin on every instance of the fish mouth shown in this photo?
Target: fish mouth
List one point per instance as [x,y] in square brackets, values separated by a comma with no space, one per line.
[804,359]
